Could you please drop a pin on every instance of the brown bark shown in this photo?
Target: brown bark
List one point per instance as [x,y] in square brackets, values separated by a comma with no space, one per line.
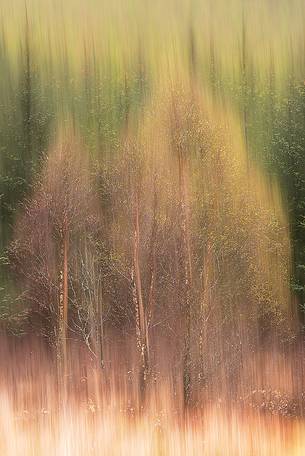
[100,331]
[152,261]
[205,309]
[63,308]
[185,230]
[141,316]
[65,279]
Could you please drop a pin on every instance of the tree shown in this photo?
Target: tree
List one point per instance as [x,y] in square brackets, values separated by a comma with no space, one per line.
[58,225]
[233,243]
[286,158]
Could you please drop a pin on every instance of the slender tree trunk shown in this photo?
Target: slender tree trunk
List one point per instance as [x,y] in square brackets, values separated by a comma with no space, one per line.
[152,261]
[185,229]
[141,317]
[95,304]
[65,282]
[100,330]
[205,310]
[63,310]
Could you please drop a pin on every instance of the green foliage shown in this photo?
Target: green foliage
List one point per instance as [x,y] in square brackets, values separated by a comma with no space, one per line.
[287,158]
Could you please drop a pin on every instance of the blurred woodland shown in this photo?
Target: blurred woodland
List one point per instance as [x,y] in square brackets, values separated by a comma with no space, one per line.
[152,184]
